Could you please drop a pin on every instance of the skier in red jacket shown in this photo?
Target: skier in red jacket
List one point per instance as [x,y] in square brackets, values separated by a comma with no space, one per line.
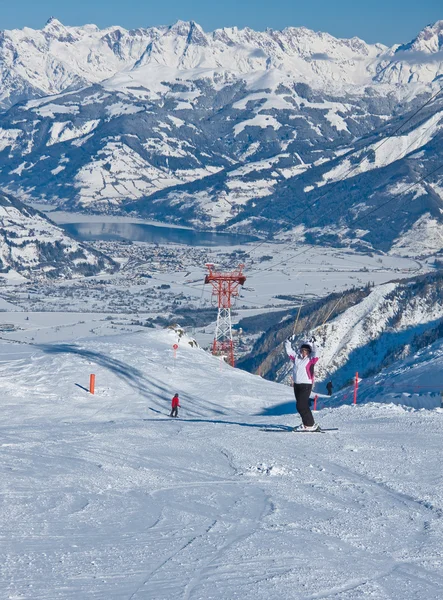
[175,403]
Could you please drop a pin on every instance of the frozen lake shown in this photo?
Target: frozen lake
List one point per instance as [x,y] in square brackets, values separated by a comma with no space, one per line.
[142,232]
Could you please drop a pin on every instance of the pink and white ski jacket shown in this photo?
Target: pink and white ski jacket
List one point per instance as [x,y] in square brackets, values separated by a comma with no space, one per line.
[303,369]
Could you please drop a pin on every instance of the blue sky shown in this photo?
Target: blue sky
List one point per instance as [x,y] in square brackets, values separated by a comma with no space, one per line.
[387,21]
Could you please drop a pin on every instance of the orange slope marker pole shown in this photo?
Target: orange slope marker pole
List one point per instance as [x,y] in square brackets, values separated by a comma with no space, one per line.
[91,383]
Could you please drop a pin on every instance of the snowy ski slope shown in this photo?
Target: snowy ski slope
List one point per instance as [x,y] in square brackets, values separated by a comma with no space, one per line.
[105,497]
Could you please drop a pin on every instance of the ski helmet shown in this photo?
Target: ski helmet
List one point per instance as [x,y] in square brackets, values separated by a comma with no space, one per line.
[306,347]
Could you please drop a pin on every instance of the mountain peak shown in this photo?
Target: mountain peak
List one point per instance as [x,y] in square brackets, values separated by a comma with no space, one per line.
[191,30]
[428,41]
[181,27]
[53,23]
[437,26]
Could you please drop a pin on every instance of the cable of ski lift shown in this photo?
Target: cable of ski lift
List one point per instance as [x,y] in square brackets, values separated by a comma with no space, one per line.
[187,285]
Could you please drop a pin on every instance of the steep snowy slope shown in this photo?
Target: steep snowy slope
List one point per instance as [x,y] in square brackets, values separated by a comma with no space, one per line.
[31,243]
[104,496]
[394,321]
[413,381]
[366,331]
[419,60]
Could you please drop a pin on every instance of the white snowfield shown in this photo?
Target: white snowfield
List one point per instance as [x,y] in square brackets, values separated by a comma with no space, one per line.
[391,150]
[105,497]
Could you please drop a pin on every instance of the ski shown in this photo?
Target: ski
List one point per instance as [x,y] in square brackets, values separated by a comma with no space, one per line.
[276,429]
[290,430]
[321,430]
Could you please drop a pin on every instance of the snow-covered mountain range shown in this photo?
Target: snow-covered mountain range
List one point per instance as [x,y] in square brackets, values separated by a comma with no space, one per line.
[56,58]
[235,128]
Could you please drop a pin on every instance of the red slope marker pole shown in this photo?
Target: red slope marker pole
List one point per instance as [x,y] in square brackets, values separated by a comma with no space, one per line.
[315,402]
[355,388]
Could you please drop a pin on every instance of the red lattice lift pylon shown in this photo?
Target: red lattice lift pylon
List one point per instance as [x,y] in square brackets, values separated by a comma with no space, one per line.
[224,288]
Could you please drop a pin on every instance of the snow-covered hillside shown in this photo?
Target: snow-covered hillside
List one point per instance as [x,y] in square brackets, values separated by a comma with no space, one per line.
[419,60]
[394,321]
[381,191]
[31,244]
[364,330]
[104,496]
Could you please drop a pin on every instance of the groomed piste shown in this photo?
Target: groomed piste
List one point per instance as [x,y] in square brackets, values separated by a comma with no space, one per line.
[105,497]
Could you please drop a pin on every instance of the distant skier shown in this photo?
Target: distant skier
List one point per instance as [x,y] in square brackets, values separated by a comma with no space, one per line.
[329,387]
[304,359]
[175,404]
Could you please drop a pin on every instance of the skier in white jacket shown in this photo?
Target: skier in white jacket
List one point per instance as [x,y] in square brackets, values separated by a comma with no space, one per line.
[304,359]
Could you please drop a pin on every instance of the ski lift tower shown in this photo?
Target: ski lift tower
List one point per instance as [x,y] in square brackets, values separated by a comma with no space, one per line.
[224,288]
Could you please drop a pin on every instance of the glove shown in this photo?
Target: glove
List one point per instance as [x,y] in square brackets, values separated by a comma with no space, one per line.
[293,342]
[313,340]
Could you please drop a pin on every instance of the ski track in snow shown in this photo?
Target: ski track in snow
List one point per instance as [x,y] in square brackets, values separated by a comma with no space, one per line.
[105,497]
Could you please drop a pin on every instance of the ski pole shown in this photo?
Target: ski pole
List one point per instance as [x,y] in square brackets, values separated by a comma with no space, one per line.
[333,308]
[299,309]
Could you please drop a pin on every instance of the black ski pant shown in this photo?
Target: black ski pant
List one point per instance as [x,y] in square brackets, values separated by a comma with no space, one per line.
[302,392]
[174,412]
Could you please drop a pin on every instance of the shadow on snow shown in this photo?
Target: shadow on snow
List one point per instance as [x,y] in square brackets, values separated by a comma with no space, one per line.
[286,408]
[130,375]
[221,422]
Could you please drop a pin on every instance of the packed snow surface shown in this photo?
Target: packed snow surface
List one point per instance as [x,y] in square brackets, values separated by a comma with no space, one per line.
[105,497]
